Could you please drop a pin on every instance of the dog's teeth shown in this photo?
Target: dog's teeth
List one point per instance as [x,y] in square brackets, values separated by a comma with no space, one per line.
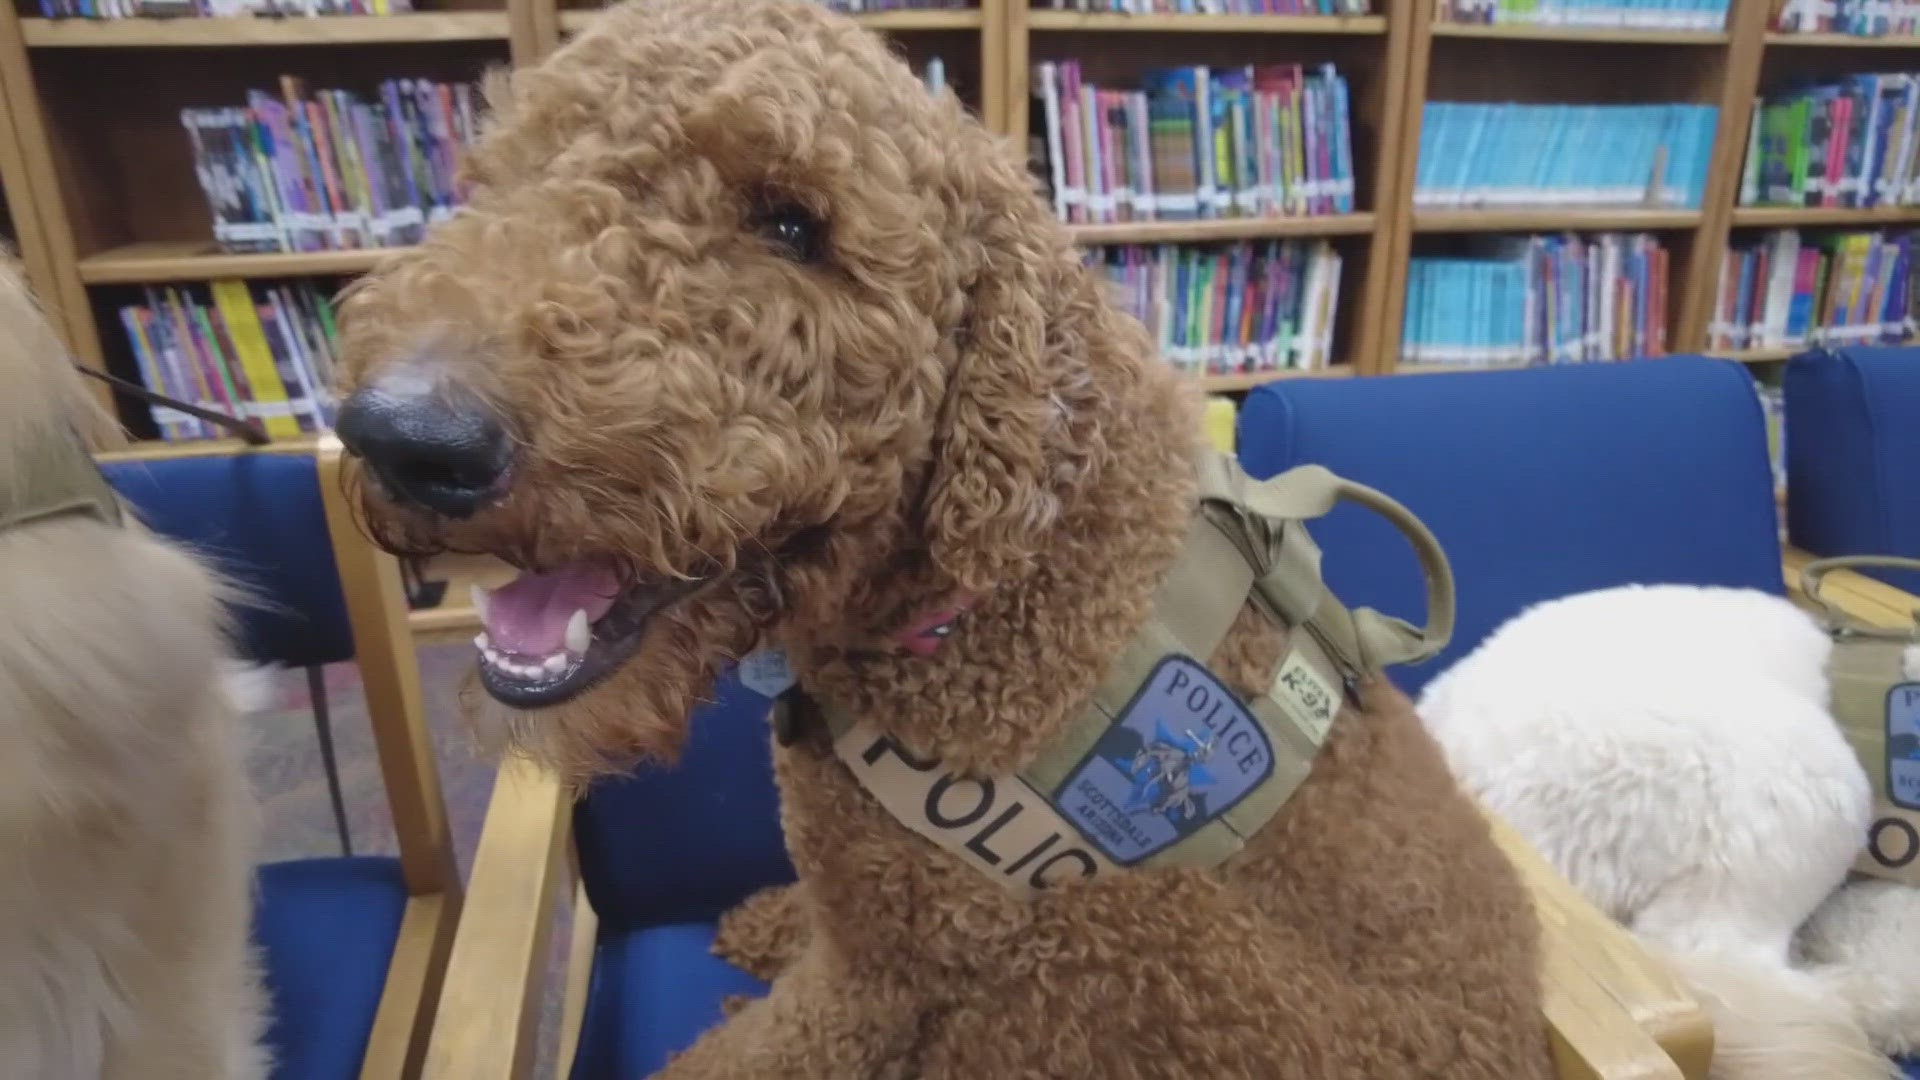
[493,656]
[556,663]
[579,635]
[482,642]
[480,598]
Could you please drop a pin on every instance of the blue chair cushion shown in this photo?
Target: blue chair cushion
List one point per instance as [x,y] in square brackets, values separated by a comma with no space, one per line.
[652,994]
[259,518]
[327,928]
[683,844]
[1853,459]
[1537,483]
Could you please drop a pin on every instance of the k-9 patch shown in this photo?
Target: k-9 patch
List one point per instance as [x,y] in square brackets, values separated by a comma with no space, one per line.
[1903,746]
[1182,753]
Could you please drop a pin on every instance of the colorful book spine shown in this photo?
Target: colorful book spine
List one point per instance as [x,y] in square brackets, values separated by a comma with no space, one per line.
[250,350]
[1789,290]
[1195,142]
[1216,7]
[207,9]
[1633,14]
[1848,142]
[1859,18]
[1484,156]
[329,169]
[1231,308]
[1511,301]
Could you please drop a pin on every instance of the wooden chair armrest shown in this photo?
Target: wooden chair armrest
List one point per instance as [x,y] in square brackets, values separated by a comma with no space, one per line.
[1614,1011]
[1872,602]
[488,1022]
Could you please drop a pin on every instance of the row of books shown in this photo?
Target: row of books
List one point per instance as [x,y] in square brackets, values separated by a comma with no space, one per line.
[862,7]
[1862,18]
[1635,14]
[1513,155]
[258,352]
[329,169]
[216,9]
[1539,300]
[1847,142]
[1231,308]
[1195,142]
[1789,290]
[1216,7]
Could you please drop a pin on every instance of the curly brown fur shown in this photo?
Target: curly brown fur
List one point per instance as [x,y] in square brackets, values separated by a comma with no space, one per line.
[945,404]
[125,826]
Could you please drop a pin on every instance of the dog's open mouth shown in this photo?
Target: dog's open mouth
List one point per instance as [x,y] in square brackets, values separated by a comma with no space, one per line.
[552,634]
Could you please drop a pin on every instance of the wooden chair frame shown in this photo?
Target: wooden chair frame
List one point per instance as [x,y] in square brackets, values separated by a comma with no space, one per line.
[383,649]
[1614,1011]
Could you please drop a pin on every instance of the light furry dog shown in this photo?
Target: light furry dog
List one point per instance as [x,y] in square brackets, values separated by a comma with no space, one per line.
[1669,749]
[125,827]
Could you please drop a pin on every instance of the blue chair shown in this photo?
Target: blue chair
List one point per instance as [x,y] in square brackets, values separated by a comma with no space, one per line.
[1538,483]
[1853,456]
[354,948]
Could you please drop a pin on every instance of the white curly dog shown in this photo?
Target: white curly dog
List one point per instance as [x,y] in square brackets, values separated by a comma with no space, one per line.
[1669,749]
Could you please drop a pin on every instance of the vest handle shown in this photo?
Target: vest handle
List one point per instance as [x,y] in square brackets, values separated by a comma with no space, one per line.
[1813,576]
[1312,491]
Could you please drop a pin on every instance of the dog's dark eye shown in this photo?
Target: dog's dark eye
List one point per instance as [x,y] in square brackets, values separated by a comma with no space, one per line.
[791,228]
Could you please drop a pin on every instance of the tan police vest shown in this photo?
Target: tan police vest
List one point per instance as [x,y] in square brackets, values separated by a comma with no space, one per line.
[1165,766]
[55,475]
[1876,700]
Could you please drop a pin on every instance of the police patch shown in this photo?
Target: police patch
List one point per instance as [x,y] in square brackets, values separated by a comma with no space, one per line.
[1903,746]
[1182,753]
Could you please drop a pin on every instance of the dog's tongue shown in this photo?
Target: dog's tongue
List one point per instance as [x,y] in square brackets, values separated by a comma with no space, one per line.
[529,615]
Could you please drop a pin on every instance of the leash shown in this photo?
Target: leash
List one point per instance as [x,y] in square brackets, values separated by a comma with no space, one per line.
[248,431]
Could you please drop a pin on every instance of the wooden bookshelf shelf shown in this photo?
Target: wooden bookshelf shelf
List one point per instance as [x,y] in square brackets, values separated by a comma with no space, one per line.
[1843,41]
[201,260]
[1228,384]
[1781,217]
[246,31]
[1594,35]
[1251,228]
[1553,220]
[574,20]
[1758,356]
[1206,24]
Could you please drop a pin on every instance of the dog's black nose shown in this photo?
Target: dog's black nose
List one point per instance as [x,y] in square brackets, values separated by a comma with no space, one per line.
[433,447]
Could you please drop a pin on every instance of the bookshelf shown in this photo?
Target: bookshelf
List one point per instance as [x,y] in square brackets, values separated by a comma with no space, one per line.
[105,201]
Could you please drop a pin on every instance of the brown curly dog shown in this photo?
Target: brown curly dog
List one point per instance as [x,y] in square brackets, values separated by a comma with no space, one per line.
[745,338]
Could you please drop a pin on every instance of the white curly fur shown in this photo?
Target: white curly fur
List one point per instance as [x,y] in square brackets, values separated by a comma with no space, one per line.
[1669,749]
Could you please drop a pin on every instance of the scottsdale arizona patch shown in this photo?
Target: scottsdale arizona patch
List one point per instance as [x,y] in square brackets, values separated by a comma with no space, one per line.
[1181,754]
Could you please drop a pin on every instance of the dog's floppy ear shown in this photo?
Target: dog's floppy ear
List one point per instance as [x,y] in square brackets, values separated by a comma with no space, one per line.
[992,494]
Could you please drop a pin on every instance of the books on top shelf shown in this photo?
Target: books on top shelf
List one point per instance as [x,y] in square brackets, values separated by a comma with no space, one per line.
[864,7]
[216,9]
[261,352]
[1631,14]
[328,170]
[1847,142]
[1862,18]
[1539,300]
[1216,7]
[1231,308]
[1491,156]
[1197,142]
[1787,289]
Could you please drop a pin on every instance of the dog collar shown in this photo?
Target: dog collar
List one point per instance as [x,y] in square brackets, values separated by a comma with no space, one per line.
[1164,766]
